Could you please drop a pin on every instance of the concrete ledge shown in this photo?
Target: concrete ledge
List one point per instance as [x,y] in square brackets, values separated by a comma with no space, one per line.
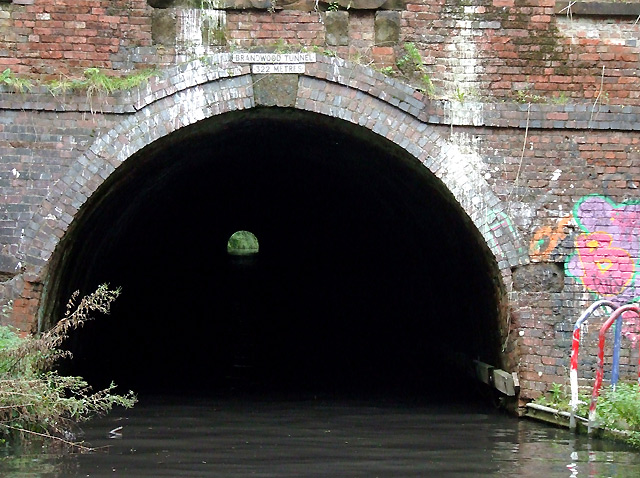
[560,418]
[552,416]
[598,9]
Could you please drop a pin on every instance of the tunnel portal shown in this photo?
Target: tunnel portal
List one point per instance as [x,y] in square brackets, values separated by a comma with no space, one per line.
[369,276]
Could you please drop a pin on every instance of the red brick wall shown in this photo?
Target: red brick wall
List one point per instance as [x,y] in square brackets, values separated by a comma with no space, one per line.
[523,46]
[543,183]
[246,29]
[58,37]
[505,48]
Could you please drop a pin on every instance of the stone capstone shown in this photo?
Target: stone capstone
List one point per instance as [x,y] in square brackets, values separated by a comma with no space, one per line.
[246,4]
[358,4]
[275,90]
[213,4]
[387,28]
[337,28]
[161,3]
[301,5]
[164,27]
[394,5]
[305,5]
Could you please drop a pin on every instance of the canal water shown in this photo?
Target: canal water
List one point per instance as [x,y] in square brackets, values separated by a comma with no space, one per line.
[176,436]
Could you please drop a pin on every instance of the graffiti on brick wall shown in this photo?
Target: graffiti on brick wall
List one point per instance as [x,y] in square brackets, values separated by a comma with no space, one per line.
[546,239]
[607,250]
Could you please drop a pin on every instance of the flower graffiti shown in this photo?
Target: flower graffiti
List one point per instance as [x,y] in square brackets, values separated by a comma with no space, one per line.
[607,257]
[606,270]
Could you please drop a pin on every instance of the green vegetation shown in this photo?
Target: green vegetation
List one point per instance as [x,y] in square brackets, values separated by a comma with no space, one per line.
[526,97]
[427,85]
[411,65]
[560,99]
[37,402]
[16,83]
[620,409]
[411,61]
[280,46]
[242,242]
[617,409]
[93,81]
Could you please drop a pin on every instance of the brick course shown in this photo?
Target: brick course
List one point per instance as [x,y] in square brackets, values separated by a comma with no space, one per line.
[501,49]
[529,162]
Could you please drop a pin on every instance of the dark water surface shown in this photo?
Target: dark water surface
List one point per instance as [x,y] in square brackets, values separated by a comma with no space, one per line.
[222,437]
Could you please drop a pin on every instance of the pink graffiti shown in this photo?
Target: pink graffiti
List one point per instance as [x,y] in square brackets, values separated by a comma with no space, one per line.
[606,270]
[607,254]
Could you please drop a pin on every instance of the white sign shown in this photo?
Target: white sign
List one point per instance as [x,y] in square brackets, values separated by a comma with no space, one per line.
[289,68]
[281,58]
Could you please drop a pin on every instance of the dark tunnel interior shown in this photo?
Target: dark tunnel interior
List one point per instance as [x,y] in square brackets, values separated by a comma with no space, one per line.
[368,279]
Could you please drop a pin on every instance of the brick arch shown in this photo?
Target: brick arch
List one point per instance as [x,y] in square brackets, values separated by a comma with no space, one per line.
[330,87]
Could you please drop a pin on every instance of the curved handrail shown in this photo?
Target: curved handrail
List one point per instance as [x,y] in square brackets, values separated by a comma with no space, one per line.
[600,371]
[575,347]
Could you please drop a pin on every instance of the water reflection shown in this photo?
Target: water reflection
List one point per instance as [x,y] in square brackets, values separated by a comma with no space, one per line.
[233,438]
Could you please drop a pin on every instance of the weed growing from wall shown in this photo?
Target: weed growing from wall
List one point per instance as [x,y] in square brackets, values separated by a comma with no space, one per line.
[93,81]
[411,61]
[17,84]
[37,402]
[411,65]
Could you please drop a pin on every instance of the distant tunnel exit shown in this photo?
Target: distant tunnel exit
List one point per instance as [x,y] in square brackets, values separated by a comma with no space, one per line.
[368,276]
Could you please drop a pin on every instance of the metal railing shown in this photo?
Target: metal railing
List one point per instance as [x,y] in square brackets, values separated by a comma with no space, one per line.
[616,316]
[575,348]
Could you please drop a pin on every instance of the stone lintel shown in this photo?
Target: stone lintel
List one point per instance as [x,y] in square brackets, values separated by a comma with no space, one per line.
[275,90]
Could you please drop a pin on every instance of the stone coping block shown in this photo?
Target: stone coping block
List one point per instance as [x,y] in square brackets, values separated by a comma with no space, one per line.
[598,9]
[337,26]
[305,5]
[387,28]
